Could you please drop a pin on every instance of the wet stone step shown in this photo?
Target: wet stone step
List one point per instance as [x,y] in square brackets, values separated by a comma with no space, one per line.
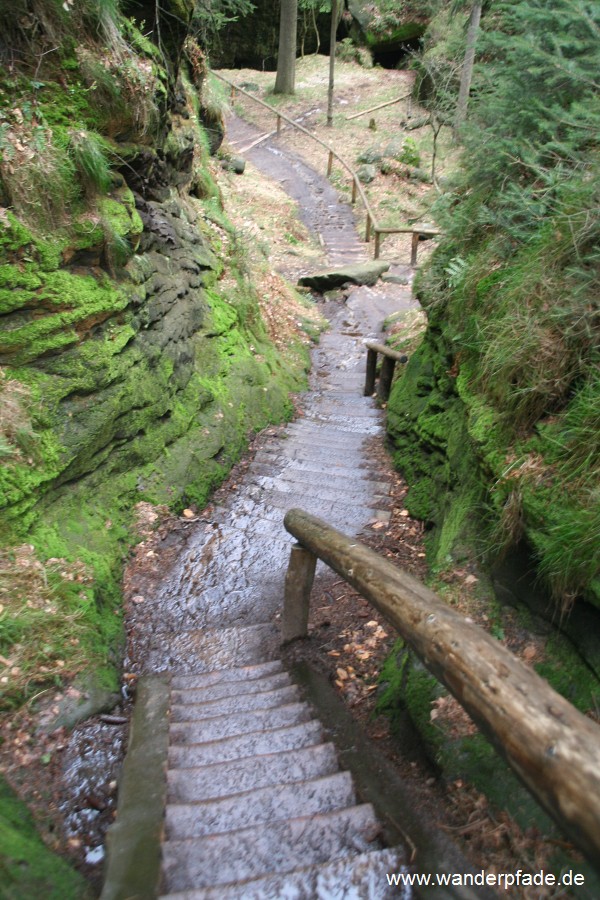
[362,877]
[226,726]
[200,692]
[266,463]
[320,435]
[351,461]
[260,805]
[362,490]
[204,650]
[332,506]
[344,425]
[269,740]
[227,676]
[186,785]
[192,710]
[276,847]
[228,605]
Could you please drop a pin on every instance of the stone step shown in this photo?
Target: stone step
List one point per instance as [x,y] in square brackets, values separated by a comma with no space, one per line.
[362,877]
[193,709]
[319,505]
[217,600]
[276,847]
[242,723]
[206,649]
[187,785]
[327,486]
[272,740]
[342,516]
[343,425]
[315,431]
[300,476]
[214,691]
[265,463]
[234,675]
[359,408]
[260,805]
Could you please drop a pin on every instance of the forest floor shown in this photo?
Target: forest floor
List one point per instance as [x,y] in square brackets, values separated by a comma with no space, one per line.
[348,640]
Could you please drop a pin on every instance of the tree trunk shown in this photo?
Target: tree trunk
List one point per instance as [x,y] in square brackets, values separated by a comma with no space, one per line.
[467,68]
[286,57]
[335,15]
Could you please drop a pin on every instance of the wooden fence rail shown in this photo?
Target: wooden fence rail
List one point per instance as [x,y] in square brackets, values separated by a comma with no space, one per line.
[553,748]
[372,225]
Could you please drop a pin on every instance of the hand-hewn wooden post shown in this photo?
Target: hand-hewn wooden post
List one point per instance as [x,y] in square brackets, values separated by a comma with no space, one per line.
[296,598]
[329,163]
[414,248]
[377,244]
[368,229]
[386,375]
[353,191]
[278,124]
[371,373]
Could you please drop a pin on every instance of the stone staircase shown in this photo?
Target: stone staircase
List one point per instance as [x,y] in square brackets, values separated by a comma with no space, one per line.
[257,806]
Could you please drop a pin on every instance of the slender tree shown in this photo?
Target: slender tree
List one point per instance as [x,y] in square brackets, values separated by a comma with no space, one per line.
[467,67]
[285,80]
[335,18]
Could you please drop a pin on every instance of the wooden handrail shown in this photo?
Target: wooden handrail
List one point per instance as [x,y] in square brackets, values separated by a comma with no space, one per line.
[386,375]
[372,225]
[552,747]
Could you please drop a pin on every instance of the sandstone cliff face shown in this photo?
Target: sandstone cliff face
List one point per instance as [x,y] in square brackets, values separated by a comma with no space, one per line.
[131,372]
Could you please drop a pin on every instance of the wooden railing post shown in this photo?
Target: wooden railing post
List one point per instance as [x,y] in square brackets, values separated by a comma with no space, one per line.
[278,124]
[353,191]
[368,229]
[377,244]
[413,248]
[371,374]
[330,163]
[296,597]
[386,376]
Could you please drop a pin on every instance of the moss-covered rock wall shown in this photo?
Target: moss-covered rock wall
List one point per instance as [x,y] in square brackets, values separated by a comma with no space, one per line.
[133,357]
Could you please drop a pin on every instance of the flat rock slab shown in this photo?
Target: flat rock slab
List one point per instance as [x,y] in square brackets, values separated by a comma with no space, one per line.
[361,273]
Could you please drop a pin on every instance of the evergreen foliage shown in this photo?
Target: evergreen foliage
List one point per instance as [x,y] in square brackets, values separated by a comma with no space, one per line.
[512,289]
[211,16]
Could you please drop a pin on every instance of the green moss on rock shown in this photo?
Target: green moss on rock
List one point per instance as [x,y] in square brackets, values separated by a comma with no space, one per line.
[27,868]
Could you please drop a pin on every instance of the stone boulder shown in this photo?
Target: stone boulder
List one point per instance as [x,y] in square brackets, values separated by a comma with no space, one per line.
[362,273]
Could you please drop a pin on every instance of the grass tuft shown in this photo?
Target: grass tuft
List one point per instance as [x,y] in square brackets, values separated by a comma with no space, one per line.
[90,162]
[41,622]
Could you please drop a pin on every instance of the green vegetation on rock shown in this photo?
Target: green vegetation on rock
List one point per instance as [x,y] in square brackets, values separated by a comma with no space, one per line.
[27,868]
[134,358]
[498,406]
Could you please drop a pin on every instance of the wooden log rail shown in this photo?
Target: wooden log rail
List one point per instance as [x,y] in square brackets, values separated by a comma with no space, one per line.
[386,374]
[553,748]
[372,226]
